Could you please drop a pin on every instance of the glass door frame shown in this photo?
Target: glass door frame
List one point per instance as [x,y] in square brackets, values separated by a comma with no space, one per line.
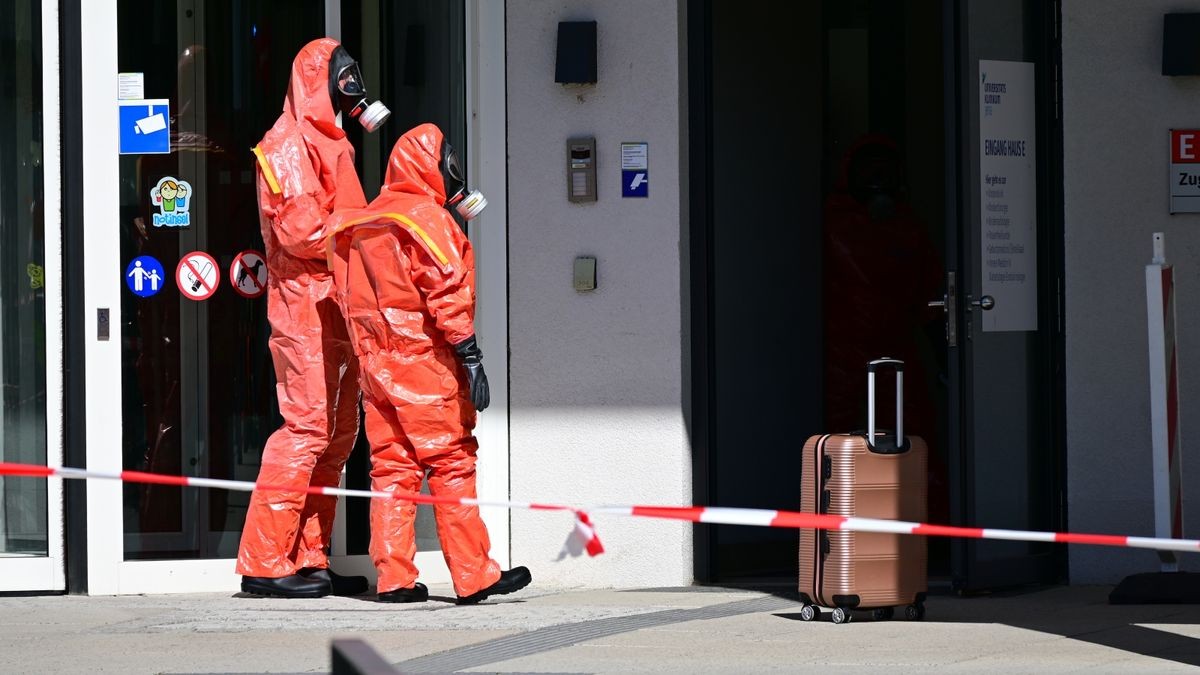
[108,573]
[970,572]
[48,572]
[487,168]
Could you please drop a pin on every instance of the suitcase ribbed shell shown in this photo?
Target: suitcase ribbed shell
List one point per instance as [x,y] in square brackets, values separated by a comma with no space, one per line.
[881,570]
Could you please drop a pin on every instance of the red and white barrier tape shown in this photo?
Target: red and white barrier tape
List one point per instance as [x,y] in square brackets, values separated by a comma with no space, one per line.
[796,519]
[585,534]
[583,525]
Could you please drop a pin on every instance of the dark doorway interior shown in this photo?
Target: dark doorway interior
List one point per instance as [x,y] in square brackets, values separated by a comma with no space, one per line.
[822,239]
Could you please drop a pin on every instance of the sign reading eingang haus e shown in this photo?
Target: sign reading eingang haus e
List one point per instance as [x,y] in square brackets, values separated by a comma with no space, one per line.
[1185,171]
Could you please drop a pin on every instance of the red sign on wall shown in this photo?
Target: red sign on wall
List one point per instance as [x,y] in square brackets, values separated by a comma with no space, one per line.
[1184,178]
[1185,146]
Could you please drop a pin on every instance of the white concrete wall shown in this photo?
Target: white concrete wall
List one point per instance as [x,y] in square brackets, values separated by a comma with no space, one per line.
[596,394]
[1117,109]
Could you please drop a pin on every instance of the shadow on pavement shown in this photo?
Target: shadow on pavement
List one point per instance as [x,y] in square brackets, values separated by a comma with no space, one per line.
[1074,612]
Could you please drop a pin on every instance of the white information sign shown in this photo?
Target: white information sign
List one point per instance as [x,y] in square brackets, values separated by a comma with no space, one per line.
[1008,195]
[635,156]
[131,85]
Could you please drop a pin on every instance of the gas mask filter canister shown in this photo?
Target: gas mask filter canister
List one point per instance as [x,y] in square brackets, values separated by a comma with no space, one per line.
[466,204]
[471,205]
[371,116]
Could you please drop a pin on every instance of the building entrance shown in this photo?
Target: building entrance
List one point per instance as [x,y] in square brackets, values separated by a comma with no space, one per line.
[197,379]
[179,378]
[829,227]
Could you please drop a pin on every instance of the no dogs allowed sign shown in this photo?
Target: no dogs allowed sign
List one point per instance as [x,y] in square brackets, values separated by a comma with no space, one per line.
[248,274]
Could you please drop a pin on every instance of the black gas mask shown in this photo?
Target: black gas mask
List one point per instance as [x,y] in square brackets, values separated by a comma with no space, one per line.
[875,181]
[465,203]
[349,94]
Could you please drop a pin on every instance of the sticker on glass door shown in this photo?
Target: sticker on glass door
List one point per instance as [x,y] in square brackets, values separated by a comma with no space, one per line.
[145,276]
[197,276]
[145,127]
[248,274]
[173,197]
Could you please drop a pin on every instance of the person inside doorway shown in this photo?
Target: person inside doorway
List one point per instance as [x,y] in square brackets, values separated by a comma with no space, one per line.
[405,277]
[880,271]
[305,171]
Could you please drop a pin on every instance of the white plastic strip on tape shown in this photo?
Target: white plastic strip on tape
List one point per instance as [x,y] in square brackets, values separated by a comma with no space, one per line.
[876,525]
[727,516]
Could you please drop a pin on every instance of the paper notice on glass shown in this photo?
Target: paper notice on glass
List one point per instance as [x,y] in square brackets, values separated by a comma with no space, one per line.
[131,86]
[1008,195]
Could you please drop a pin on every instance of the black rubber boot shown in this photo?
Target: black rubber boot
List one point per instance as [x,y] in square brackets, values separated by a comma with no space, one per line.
[341,585]
[294,586]
[418,593]
[510,582]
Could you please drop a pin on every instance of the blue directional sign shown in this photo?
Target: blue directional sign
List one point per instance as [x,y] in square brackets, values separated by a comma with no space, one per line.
[145,127]
[145,276]
[635,183]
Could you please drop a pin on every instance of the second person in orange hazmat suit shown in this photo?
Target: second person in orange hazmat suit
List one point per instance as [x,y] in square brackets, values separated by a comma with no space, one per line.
[305,171]
[405,277]
[880,270]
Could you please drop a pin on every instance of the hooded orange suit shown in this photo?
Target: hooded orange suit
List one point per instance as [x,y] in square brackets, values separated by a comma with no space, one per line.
[880,272]
[305,171]
[405,277]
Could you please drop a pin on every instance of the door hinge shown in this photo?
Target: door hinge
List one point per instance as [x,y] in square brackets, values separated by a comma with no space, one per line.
[1058,283]
[1057,93]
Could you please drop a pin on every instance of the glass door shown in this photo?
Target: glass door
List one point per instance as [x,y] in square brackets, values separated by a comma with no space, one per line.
[414,57]
[1003,324]
[31,538]
[183,382]
[188,87]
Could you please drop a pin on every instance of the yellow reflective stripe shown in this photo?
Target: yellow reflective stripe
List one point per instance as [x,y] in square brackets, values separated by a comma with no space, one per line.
[406,222]
[266,168]
[437,252]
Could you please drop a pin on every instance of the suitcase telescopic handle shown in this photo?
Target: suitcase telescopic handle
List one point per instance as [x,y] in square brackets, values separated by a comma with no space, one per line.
[872,368]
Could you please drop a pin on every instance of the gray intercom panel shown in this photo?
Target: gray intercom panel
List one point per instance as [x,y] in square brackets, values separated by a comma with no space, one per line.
[581,169]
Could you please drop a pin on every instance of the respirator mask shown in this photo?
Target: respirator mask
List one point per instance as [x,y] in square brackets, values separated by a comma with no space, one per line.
[349,94]
[876,181]
[466,204]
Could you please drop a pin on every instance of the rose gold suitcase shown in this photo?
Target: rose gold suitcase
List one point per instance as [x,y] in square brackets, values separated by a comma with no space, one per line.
[884,477]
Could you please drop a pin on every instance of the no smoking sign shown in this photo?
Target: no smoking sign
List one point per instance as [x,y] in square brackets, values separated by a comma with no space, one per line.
[197,276]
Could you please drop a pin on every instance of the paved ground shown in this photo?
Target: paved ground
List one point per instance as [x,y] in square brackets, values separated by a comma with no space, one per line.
[677,630]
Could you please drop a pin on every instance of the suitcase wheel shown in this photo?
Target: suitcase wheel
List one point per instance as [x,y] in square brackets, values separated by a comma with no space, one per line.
[809,612]
[883,614]
[840,615]
[915,612]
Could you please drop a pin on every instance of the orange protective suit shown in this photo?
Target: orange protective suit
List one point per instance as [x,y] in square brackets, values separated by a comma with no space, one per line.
[305,171]
[880,272]
[405,276]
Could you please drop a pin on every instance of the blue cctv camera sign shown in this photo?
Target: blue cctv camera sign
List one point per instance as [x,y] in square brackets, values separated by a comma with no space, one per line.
[145,127]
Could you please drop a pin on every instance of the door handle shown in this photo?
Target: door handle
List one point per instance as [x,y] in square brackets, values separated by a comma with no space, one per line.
[986,303]
[947,303]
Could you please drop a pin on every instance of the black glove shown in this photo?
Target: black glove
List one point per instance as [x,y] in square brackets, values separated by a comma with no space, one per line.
[472,359]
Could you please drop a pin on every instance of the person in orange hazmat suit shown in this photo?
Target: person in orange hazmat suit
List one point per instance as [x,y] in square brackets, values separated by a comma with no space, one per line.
[305,171]
[405,277]
[881,268]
